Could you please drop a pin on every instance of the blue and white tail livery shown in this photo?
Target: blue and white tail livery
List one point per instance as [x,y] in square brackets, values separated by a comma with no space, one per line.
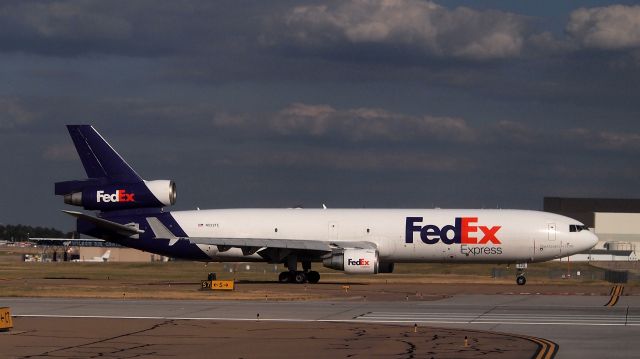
[130,212]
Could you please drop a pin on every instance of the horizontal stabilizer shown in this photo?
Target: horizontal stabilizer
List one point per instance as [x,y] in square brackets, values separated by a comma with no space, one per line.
[108,225]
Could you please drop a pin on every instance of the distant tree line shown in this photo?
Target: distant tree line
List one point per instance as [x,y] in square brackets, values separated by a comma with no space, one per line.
[21,232]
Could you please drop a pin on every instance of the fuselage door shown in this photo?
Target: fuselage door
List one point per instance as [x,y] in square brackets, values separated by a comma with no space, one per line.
[333,231]
[551,231]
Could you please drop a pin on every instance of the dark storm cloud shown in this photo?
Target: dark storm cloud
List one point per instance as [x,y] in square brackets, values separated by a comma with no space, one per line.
[130,28]
[72,28]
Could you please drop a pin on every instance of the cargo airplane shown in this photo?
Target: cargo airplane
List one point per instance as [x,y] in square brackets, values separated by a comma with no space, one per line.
[130,212]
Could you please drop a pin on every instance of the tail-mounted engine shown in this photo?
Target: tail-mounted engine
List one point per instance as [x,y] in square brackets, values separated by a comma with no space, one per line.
[95,195]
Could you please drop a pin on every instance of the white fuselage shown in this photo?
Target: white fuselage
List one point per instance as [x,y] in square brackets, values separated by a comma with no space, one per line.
[400,235]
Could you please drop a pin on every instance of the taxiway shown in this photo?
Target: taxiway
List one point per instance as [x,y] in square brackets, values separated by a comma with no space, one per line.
[582,326]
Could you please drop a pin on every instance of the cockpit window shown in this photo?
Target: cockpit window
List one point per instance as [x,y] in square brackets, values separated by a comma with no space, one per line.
[577,228]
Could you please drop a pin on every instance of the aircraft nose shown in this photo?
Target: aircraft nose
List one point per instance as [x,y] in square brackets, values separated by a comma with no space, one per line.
[591,240]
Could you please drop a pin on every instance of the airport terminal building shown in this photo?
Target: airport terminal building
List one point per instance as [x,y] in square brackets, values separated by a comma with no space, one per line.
[616,222]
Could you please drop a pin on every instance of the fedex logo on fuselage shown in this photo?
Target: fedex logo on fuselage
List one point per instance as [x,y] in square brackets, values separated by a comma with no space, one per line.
[121,195]
[359,262]
[463,231]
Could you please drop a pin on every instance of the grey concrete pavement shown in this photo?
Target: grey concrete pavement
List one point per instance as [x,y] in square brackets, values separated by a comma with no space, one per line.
[581,325]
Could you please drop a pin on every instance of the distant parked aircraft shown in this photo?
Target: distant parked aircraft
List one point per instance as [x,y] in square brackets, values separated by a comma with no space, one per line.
[102,258]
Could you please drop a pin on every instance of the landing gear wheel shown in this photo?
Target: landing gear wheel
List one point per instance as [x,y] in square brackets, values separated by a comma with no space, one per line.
[521,280]
[313,277]
[300,277]
[283,277]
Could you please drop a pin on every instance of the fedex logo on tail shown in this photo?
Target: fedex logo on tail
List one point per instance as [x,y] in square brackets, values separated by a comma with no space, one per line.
[463,231]
[121,195]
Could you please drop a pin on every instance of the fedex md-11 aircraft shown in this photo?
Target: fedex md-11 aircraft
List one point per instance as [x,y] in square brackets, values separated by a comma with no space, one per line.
[357,241]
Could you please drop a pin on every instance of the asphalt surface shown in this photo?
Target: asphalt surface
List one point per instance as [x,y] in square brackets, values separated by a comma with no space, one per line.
[582,326]
[169,338]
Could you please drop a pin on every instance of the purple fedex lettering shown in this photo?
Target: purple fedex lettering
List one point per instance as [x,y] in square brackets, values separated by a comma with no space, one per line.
[411,227]
[461,231]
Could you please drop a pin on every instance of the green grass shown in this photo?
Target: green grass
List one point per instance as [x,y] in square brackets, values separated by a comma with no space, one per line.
[183,271]
[181,279]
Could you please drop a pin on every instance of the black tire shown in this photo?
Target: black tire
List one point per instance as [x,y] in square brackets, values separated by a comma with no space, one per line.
[300,277]
[283,277]
[521,280]
[313,277]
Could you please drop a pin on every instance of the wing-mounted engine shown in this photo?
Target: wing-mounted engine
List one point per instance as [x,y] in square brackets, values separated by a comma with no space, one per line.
[353,261]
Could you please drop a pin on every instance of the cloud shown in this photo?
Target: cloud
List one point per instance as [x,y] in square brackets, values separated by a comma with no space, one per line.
[309,124]
[141,28]
[63,27]
[350,160]
[409,26]
[14,112]
[515,132]
[612,27]
[68,20]
[353,125]
[605,140]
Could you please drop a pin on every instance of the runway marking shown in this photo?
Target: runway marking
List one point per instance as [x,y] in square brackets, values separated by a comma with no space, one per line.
[546,348]
[612,319]
[616,292]
[434,318]
[176,318]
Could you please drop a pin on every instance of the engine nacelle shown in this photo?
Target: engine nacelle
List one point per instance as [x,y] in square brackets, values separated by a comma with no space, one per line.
[163,190]
[353,261]
[147,194]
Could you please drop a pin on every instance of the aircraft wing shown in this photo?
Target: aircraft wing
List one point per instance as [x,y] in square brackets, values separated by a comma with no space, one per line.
[252,245]
[311,245]
[275,249]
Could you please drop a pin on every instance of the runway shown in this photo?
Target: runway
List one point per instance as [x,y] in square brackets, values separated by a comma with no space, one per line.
[582,326]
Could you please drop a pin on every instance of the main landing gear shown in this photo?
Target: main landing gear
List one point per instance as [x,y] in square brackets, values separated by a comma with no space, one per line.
[295,276]
[520,278]
[299,277]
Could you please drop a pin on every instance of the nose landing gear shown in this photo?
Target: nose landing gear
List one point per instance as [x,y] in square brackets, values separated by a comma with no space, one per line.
[520,278]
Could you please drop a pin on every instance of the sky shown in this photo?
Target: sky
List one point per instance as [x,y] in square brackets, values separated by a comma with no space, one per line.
[352,103]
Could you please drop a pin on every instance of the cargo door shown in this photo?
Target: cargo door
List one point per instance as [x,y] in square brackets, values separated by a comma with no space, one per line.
[555,247]
[333,231]
[551,231]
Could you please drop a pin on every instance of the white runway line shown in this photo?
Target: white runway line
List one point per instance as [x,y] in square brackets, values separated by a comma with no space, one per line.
[614,319]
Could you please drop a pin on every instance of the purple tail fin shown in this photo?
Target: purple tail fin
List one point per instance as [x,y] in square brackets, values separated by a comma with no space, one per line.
[99,159]
[111,184]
